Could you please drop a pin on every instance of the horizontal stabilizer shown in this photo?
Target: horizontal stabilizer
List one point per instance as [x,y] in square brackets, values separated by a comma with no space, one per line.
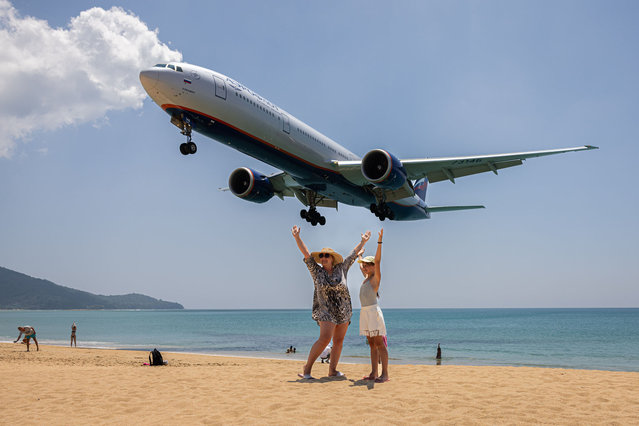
[451,208]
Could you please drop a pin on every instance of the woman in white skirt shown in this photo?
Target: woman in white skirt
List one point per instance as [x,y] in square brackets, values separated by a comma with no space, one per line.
[371,319]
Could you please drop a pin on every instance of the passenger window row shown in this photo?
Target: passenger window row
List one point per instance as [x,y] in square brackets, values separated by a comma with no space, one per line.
[256,105]
[308,135]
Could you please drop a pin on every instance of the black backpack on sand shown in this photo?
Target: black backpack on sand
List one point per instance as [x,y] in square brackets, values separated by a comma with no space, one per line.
[155,358]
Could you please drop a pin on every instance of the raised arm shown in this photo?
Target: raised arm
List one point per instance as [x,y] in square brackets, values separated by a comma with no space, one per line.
[378,260]
[300,243]
[361,265]
[365,237]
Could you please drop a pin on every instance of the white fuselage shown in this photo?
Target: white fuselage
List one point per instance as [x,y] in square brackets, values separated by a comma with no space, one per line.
[285,142]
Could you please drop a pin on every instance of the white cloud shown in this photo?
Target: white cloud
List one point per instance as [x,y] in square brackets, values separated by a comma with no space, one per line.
[53,77]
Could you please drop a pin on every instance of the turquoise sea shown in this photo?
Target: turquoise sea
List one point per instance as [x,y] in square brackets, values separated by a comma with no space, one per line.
[602,339]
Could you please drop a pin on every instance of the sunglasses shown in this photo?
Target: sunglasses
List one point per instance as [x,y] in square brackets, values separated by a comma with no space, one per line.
[321,255]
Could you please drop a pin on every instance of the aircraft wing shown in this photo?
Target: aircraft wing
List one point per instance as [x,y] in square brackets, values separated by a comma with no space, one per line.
[438,169]
[449,168]
[285,186]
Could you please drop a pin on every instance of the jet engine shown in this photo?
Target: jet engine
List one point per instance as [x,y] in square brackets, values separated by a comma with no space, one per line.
[383,169]
[250,185]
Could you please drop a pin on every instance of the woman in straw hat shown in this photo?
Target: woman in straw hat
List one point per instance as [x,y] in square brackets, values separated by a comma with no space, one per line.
[331,300]
[371,319]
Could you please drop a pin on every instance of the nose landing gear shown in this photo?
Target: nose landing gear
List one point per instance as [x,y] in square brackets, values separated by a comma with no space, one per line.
[189,147]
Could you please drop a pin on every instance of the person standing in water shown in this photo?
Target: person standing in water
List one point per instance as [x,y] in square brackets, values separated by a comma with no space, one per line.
[73,330]
[371,319]
[332,307]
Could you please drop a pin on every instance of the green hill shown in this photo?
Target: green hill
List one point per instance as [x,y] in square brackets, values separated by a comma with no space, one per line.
[20,291]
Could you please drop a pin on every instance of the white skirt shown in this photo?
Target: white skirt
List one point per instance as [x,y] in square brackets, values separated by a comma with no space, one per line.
[371,321]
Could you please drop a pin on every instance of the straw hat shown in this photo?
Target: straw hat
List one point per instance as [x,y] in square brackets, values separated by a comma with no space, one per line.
[367,259]
[337,258]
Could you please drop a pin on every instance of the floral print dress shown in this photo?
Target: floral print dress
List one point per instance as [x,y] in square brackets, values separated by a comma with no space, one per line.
[331,299]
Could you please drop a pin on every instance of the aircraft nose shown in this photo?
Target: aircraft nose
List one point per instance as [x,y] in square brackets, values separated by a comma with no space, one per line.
[149,78]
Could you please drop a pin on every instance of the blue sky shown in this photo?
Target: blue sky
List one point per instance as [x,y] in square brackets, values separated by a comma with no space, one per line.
[95,195]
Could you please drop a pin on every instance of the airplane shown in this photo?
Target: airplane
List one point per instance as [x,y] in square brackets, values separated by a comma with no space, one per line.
[315,169]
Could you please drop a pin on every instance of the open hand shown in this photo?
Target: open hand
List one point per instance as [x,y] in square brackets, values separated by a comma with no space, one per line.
[296,231]
[381,234]
[366,236]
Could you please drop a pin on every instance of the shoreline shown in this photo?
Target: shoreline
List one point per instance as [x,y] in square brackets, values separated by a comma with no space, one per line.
[574,338]
[62,385]
[301,356]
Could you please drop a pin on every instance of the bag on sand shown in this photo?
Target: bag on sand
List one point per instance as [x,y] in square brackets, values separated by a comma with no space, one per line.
[155,358]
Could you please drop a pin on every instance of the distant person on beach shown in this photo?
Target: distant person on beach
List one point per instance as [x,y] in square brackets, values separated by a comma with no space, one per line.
[371,319]
[29,333]
[332,307]
[73,339]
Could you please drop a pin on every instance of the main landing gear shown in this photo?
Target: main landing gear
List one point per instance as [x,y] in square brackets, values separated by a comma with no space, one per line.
[188,147]
[382,211]
[312,216]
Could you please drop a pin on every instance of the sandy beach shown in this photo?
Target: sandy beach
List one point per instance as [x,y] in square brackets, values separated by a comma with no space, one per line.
[71,386]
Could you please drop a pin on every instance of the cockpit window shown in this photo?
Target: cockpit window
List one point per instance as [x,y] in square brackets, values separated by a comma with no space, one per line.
[173,67]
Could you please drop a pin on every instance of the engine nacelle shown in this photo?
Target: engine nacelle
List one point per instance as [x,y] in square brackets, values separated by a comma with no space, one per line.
[383,169]
[250,185]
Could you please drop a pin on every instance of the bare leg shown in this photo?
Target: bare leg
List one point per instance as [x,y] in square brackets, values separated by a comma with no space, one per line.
[28,340]
[383,353]
[327,329]
[336,351]
[374,358]
[36,342]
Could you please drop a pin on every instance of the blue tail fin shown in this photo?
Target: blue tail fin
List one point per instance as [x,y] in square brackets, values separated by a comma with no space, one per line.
[420,188]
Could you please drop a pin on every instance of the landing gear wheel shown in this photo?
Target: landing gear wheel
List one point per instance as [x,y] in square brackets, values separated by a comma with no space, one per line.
[313,217]
[184,123]
[188,148]
[382,211]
